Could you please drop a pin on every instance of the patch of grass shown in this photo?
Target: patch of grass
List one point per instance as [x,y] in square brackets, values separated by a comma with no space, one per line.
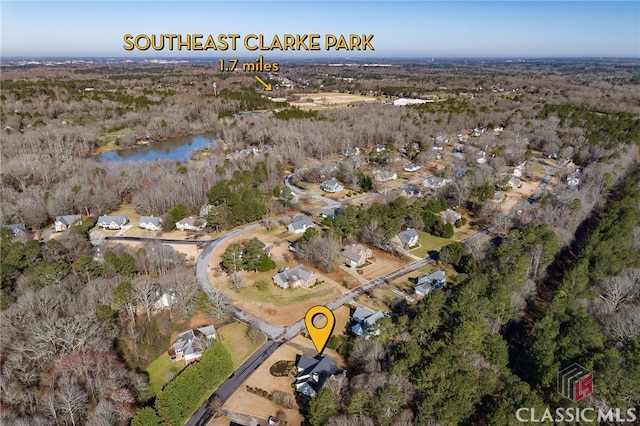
[428,243]
[162,369]
[234,337]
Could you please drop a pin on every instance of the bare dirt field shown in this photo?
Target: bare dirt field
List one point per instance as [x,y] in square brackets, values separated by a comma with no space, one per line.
[328,100]
[245,402]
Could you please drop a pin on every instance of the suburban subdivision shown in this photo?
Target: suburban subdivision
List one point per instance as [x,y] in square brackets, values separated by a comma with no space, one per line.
[473,225]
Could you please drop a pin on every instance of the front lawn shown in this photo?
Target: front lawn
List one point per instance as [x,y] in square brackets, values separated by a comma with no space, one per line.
[234,337]
[161,371]
[428,242]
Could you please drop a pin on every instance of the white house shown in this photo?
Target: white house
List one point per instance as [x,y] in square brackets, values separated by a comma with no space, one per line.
[408,238]
[63,223]
[450,216]
[297,276]
[356,254]
[426,283]
[186,346]
[411,167]
[112,222]
[384,175]
[299,225]
[435,182]
[191,224]
[331,185]
[151,223]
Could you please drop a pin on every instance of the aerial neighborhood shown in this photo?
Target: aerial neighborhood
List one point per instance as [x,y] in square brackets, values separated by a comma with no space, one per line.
[166,227]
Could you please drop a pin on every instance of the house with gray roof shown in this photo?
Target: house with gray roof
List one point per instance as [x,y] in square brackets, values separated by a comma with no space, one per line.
[191,224]
[331,185]
[313,373]
[435,182]
[364,321]
[150,223]
[297,276]
[407,238]
[425,283]
[112,222]
[384,175]
[299,225]
[356,254]
[187,347]
[17,229]
[63,223]
[411,167]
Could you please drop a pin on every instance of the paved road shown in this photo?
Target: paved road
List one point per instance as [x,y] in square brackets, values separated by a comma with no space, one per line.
[229,386]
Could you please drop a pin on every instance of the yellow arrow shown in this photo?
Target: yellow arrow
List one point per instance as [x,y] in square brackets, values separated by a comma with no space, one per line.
[267,87]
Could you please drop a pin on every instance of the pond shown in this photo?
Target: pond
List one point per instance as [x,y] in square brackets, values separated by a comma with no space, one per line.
[176,149]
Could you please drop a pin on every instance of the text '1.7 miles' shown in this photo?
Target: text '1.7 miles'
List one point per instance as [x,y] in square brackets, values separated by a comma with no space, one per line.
[258,65]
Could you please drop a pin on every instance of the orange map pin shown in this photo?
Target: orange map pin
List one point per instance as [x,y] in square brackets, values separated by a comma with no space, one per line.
[319,333]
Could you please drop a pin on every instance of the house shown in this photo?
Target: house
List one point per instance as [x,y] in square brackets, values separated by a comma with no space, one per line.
[165,300]
[63,223]
[408,238]
[348,152]
[299,225]
[313,373]
[573,179]
[151,223]
[187,347]
[356,254]
[514,182]
[411,191]
[331,185]
[295,277]
[364,320]
[384,175]
[331,212]
[426,283]
[435,182]
[18,229]
[411,167]
[112,222]
[450,216]
[191,224]
[380,148]
[519,169]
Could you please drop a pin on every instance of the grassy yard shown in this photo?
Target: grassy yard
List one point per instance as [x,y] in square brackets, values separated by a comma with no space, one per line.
[279,297]
[428,242]
[161,371]
[234,337]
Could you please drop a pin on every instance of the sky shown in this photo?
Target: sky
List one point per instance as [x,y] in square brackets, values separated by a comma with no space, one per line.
[401,29]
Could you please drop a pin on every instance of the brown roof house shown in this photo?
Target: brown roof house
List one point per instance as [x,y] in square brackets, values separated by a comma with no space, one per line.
[297,276]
